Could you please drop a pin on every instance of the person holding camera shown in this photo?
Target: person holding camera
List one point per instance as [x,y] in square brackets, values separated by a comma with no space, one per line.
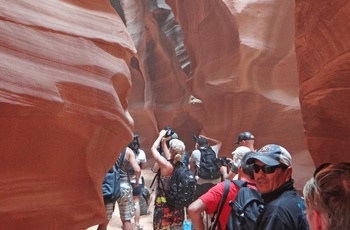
[204,163]
[165,216]
[232,171]
[168,136]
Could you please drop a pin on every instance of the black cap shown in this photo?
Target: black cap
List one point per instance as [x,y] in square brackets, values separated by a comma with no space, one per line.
[244,136]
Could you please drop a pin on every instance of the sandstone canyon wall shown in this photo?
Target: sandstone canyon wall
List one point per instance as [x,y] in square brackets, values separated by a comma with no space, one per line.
[217,68]
[63,110]
[322,43]
[72,71]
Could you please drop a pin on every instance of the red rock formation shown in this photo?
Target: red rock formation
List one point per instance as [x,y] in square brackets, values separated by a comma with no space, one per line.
[236,59]
[323,51]
[63,110]
[211,67]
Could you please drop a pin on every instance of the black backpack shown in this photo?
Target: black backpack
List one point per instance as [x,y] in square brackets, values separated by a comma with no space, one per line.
[182,187]
[209,166]
[246,207]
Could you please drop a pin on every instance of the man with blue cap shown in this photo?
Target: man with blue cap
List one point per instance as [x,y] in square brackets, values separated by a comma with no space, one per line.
[284,209]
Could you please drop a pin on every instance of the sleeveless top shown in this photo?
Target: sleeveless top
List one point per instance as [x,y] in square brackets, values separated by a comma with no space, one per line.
[164,182]
[124,168]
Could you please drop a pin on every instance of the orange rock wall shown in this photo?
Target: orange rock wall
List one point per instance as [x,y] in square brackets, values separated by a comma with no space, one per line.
[76,79]
[64,83]
[323,49]
[218,68]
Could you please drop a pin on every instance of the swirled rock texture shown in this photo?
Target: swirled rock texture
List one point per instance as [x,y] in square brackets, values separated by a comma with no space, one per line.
[79,77]
[63,110]
[323,50]
[218,68]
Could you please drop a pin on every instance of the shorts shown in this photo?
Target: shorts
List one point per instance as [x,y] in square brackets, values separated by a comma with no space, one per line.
[109,210]
[125,202]
[138,190]
[201,189]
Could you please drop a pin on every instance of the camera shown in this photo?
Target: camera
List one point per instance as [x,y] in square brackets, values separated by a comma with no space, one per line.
[225,161]
[195,138]
[169,131]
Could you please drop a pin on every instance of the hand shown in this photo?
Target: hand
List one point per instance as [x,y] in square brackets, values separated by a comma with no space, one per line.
[166,138]
[162,133]
[136,184]
[223,170]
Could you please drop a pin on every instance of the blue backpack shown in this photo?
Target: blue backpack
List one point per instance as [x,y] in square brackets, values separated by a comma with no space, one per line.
[111,182]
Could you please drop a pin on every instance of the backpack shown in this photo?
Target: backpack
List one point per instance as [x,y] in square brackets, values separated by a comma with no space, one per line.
[209,166]
[246,207]
[111,182]
[182,187]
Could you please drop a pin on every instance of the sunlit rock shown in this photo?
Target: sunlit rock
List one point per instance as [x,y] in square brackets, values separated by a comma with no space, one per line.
[63,110]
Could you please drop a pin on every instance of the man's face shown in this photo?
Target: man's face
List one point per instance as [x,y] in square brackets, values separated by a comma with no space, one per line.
[267,183]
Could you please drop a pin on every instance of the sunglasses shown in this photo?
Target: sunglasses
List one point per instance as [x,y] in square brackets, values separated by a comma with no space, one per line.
[267,169]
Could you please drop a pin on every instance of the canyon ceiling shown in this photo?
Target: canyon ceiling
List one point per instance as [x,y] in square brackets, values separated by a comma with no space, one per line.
[78,78]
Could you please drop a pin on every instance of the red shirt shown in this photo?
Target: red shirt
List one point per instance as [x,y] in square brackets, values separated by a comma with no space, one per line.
[213,198]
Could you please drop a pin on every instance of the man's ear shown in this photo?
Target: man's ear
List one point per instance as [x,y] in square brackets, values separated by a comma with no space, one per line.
[289,172]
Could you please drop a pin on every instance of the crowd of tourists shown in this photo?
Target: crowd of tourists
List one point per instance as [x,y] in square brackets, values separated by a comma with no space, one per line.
[252,190]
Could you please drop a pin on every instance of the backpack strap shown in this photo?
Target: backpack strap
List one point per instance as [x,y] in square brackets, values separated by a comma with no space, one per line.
[241,183]
[154,178]
[158,175]
[121,157]
[222,202]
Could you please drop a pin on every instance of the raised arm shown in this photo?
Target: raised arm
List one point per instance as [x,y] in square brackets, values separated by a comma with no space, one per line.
[217,142]
[163,164]
[165,148]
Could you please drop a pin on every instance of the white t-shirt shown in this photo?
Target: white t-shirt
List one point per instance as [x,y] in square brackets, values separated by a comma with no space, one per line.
[140,158]
[196,157]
